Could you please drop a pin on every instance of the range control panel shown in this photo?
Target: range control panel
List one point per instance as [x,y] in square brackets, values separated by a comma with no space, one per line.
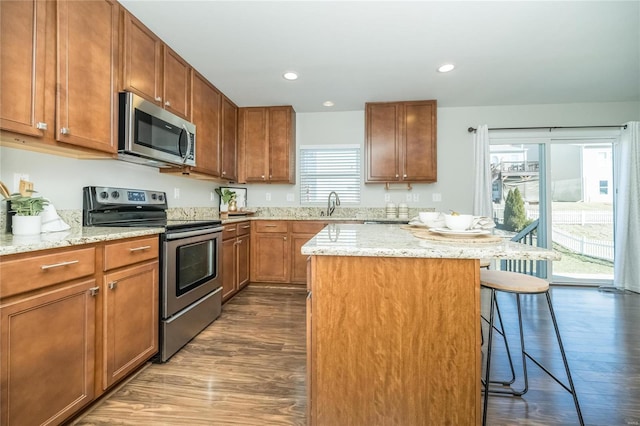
[105,195]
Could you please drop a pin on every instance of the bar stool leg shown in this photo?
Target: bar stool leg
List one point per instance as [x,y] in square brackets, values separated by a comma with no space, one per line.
[572,389]
[488,368]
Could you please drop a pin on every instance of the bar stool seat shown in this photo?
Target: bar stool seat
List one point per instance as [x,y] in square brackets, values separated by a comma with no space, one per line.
[516,283]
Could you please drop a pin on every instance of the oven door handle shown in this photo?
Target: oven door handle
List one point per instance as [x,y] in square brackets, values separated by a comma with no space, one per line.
[174,235]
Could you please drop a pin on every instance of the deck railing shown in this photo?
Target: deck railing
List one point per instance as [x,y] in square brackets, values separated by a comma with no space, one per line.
[527,236]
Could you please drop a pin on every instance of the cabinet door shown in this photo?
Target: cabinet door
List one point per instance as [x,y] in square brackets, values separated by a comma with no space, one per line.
[228,268]
[177,75]
[254,144]
[281,145]
[299,260]
[419,147]
[22,74]
[270,258]
[229,139]
[47,355]
[87,67]
[243,256]
[131,320]
[382,142]
[206,115]
[142,67]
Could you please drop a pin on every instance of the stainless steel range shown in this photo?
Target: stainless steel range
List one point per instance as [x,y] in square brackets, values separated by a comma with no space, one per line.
[190,266]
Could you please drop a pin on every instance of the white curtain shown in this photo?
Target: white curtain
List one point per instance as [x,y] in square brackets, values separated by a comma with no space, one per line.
[626,267]
[482,205]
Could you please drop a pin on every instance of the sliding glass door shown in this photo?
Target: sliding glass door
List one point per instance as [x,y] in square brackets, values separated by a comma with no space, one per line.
[557,193]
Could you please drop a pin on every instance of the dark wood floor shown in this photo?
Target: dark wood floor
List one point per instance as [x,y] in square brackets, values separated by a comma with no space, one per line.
[248,367]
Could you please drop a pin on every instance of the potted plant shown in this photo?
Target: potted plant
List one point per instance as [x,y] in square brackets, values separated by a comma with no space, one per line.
[27,209]
[226,197]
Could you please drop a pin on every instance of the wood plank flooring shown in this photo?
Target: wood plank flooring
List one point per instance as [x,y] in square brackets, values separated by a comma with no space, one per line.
[248,367]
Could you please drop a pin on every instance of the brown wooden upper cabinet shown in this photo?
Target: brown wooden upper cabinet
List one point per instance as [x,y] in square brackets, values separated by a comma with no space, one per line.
[46,78]
[154,71]
[267,144]
[206,114]
[22,74]
[229,137]
[400,143]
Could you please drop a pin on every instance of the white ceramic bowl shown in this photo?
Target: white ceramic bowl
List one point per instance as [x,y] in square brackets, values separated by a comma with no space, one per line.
[428,217]
[458,223]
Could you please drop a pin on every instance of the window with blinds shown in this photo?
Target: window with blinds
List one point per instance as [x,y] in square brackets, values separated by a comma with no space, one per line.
[324,169]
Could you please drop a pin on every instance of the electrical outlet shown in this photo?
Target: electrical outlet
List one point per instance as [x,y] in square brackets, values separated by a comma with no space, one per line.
[416,197]
[176,193]
[408,197]
[387,197]
[213,197]
[268,196]
[290,197]
[436,197]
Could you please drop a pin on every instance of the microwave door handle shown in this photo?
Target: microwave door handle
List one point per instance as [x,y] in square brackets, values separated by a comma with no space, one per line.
[185,157]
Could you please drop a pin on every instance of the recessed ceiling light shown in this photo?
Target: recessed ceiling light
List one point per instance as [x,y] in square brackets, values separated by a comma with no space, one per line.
[328,103]
[446,68]
[290,75]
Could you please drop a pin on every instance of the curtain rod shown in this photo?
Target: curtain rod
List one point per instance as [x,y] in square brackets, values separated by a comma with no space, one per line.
[473,130]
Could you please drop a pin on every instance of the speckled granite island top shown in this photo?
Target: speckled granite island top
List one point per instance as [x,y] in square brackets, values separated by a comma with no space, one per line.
[393,241]
[10,244]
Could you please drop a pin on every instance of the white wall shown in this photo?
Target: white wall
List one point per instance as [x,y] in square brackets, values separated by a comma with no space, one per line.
[61,179]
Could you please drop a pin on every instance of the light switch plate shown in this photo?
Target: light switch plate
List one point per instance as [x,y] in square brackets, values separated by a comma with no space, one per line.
[290,197]
[268,196]
[436,197]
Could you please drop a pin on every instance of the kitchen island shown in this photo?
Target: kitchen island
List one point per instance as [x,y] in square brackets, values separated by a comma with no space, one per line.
[393,326]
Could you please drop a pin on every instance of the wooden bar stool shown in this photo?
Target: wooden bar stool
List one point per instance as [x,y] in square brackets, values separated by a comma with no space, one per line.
[516,283]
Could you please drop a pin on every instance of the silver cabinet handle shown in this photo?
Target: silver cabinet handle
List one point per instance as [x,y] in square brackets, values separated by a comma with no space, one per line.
[224,173]
[57,265]
[239,242]
[140,248]
[262,177]
[246,227]
[65,131]
[404,175]
[93,291]
[270,226]
[41,126]
[158,99]
[113,285]
[285,238]
[167,103]
[397,175]
[270,176]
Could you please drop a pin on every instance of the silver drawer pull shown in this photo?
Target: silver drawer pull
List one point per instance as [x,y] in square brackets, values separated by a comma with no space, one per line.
[270,226]
[231,229]
[113,285]
[140,248]
[57,265]
[246,227]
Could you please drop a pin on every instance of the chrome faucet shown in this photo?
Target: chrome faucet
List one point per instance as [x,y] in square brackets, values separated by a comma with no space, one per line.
[332,206]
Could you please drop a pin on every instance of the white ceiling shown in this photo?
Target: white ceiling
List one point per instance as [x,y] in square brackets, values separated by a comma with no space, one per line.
[352,52]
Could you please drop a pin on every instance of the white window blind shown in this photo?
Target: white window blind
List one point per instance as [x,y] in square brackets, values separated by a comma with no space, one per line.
[326,169]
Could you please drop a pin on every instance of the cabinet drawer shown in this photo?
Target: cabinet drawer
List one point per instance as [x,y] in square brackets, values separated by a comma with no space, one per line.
[244,228]
[19,276]
[229,231]
[129,252]
[304,227]
[271,226]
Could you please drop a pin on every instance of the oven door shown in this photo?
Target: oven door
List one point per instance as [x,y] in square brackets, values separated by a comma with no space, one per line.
[191,268]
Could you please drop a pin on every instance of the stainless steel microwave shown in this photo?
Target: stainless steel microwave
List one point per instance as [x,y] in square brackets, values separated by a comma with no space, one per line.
[150,135]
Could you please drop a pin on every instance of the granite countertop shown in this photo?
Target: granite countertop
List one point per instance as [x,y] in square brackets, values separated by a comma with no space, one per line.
[393,241]
[11,244]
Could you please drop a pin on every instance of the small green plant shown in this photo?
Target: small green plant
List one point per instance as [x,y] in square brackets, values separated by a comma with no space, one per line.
[225,195]
[27,206]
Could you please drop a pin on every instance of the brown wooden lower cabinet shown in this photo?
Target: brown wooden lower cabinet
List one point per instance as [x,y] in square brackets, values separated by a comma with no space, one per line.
[47,355]
[276,256]
[393,341]
[74,322]
[235,257]
[130,321]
